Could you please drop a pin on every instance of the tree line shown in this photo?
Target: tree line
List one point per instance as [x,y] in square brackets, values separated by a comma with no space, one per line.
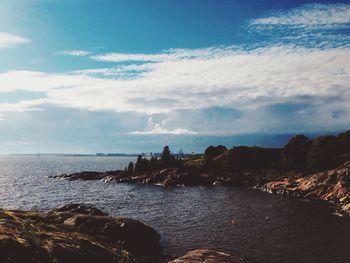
[301,154]
[166,160]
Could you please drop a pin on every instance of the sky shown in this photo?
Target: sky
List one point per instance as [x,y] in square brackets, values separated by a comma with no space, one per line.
[89,76]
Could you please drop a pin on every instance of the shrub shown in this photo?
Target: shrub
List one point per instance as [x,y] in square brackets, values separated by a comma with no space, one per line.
[214,151]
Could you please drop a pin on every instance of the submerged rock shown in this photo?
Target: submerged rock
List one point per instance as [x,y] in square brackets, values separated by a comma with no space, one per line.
[207,256]
[75,233]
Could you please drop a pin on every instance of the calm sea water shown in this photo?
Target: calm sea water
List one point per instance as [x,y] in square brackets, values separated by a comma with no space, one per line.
[265,228]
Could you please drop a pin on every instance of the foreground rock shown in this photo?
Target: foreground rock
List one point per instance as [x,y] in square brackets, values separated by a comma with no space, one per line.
[332,186]
[75,233]
[207,256]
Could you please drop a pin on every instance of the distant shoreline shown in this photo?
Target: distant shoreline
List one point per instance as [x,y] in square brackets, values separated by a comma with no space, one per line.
[72,155]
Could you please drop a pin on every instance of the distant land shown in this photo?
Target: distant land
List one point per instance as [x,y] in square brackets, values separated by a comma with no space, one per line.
[78,154]
[189,144]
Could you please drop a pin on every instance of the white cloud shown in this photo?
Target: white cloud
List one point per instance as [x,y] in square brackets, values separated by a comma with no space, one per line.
[223,77]
[158,128]
[310,15]
[119,57]
[169,55]
[75,53]
[8,40]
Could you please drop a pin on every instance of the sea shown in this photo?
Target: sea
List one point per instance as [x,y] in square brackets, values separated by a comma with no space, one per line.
[261,226]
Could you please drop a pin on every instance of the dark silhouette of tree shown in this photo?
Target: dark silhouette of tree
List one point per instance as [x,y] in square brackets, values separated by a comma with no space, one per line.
[166,155]
[321,154]
[166,158]
[344,142]
[153,164]
[131,168]
[244,157]
[141,165]
[295,153]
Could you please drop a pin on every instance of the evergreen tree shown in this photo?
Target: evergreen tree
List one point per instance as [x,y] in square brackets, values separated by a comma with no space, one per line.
[166,158]
[131,168]
[295,153]
[321,154]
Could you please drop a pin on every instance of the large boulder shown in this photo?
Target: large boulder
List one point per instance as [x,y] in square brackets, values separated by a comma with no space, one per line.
[75,233]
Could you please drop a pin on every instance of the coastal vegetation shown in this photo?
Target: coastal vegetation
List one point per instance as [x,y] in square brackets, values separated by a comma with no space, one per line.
[301,155]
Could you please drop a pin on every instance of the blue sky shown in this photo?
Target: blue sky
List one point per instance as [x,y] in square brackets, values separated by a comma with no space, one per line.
[126,76]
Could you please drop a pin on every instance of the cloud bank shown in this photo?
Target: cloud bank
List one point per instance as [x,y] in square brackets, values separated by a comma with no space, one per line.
[299,81]
[243,80]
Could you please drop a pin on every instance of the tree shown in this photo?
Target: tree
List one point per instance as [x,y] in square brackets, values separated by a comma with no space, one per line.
[166,155]
[141,165]
[344,142]
[295,153]
[153,163]
[130,168]
[166,159]
[321,154]
[245,157]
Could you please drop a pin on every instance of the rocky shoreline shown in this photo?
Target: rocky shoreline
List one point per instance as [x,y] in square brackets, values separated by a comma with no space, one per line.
[165,177]
[332,186]
[179,177]
[82,233]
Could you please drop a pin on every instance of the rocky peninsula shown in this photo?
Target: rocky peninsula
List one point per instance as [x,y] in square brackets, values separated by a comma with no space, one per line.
[315,168]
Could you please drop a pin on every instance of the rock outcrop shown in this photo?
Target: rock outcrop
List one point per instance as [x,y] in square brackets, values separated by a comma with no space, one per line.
[165,177]
[207,256]
[75,233]
[332,186]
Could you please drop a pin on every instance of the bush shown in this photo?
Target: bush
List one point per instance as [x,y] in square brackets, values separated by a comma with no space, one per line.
[214,151]
[243,157]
